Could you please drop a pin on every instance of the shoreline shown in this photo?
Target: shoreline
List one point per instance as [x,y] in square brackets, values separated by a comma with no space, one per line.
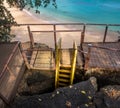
[29,17]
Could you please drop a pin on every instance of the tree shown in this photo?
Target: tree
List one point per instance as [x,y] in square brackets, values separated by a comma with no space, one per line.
[7,20]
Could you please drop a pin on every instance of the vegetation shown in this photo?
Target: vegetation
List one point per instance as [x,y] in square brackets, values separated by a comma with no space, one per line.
[7,20]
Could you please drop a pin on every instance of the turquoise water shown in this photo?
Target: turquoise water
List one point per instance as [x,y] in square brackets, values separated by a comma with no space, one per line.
[85,11]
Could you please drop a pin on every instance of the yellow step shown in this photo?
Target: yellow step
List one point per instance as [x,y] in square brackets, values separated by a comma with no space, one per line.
[63,75]
[65,66]
[64,80]
[64,71]
[62,84]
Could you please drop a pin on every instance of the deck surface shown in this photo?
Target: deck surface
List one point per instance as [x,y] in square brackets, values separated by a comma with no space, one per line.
[42,60]
[103,58]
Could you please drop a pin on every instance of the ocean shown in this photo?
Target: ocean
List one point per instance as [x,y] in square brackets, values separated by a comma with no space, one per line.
[85,11]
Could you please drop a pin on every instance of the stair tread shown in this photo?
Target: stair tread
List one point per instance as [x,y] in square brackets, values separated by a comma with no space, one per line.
[64,80]
[65,71]
[62,84]
[65,66]
[64,75]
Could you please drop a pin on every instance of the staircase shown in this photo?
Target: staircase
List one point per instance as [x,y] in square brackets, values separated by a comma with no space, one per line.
[65,65]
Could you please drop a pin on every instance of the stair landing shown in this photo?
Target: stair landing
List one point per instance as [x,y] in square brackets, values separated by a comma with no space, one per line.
[42,60]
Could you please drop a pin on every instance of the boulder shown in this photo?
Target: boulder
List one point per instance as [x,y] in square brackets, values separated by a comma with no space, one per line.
[108,97]
[79,95]
[36,82]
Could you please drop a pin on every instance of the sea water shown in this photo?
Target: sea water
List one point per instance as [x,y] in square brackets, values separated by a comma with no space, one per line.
[87,11]
[83,11]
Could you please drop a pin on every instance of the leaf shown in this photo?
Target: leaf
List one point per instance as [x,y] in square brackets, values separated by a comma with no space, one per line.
[83,92]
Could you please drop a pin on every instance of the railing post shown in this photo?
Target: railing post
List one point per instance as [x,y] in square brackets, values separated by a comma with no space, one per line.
[55,41]
[31,37]
[73,65]
[24,57]
[57,57]
[88,57]
[82,36]
[105,34]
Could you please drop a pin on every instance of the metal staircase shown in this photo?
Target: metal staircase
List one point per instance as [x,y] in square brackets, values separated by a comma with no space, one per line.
[65,71]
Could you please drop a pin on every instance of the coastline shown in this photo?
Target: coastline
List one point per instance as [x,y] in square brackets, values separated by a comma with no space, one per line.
[30,17]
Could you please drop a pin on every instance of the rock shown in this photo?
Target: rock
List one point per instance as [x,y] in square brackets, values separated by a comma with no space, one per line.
[94,82]
[79,95]
[111,96]
[104,77]
[36,82]
[99,100]
[42,87]
[108,97]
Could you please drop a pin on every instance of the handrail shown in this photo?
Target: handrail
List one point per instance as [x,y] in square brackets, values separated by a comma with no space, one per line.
[41,49]
[95,24]
[101,47]
[82,51]
[54,29]
[73,65]
[58,54]
[58,31]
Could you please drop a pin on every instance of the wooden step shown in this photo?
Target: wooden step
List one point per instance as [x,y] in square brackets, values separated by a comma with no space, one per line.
[64,80]
[64,71]
[63,75]
[65,66]
[62,84]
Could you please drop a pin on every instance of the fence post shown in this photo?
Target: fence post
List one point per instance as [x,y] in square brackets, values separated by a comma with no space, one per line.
[82,36]
[105,34]
[54,26]
[88,57]
[31,37]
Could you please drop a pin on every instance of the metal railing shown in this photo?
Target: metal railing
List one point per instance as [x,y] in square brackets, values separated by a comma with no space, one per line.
[54,29]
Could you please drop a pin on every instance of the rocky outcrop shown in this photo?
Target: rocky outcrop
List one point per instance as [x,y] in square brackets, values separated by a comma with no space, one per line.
[79,95]
[104,77]
[108,97]
[36,82]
